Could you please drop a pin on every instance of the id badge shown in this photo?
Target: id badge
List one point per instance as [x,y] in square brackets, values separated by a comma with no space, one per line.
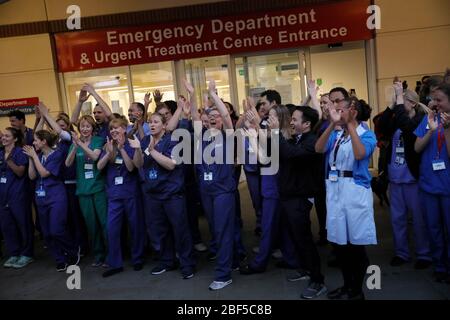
[89,175]
[400,150]
[153,174]
[88,166]
[118,161]
[40,193]
[399,160]
[333,176]
[118,181]
[207,176]
[438,165]
[3,180]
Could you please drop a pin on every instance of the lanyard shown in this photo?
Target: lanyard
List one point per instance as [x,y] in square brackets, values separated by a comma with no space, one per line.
[336,148]
[440,140]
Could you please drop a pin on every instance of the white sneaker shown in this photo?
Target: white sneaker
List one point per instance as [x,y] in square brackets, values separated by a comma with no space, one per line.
[200,247]
[11,261]
[217,285]
[277,254]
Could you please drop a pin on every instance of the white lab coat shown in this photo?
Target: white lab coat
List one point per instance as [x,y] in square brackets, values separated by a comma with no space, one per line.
[350,216]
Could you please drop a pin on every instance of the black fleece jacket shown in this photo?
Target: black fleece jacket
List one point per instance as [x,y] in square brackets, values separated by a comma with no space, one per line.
[300,167]
[398,118]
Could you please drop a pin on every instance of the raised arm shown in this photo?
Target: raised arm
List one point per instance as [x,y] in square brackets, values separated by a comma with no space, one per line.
[35,164]
[422,142]
[106,109]
[138,158]
[194,111]
[312,91]
[82,98]
[227,123]
[173,122]
[322,142]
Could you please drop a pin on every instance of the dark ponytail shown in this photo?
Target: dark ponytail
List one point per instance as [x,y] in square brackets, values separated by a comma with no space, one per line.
[364,110]
[49,137]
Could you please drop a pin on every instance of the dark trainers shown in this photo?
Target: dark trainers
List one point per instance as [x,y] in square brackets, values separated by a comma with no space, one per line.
[422,264]
[440,276]
[397,261]
[138,266]
[211,256]
[111,272]
[298,275]
[339,293]
[187,276]
[247,270]
[60,267]
[314,290]
[161,269]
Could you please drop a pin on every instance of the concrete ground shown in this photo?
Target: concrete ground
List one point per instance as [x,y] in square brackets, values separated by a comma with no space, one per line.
[41,281]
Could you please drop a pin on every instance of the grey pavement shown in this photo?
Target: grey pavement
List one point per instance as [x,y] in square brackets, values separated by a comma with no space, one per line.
[40,280]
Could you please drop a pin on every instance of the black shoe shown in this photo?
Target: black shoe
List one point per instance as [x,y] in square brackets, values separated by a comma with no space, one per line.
[338,294]
[284,265]
[333,263]
[397,261]
[75,260]
[440,277]
[111,272]
[211,256]
[322,242]
[60,267]
[357,296]
[422,264]
[187,275]
[138,267]
[248,270]
[161,269]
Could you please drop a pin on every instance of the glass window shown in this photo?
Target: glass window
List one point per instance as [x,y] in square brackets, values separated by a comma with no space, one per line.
[110,83]
[150,77]
[200,71]
[279,72]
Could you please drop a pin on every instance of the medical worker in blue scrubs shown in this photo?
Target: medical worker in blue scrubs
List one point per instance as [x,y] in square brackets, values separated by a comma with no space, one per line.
[51,198]
[165,200]
[15,202]
[121,157]
[433,142]
[217,186]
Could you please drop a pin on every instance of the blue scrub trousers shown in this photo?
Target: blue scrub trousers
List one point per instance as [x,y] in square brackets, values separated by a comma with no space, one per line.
[254,188]
[117,210]
[17,227]
[436,210]
[53,219]
[170,221]
[269,232]
[220,211]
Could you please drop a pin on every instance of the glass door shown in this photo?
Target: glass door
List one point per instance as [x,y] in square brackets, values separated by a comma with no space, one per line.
[283,72]
[200,71]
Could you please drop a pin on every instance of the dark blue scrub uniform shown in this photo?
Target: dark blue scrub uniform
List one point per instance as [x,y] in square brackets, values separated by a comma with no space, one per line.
[15,206]
[51,200]
[124,198]
[166,207]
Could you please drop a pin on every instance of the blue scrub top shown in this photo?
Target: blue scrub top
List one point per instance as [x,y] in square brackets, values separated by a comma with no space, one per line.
[52,164]
[145,126]
[434,182]
[103,131]
[29,136]
[250,167]
[67,173]
[15,187]
[399,173]
[129,187]
[222,174]
[160,182]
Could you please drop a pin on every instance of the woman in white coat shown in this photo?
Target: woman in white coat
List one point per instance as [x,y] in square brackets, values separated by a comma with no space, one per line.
[350,218]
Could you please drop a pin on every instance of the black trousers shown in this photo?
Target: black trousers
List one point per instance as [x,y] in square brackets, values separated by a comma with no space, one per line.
[296,212]
[320,202]
[353,262]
